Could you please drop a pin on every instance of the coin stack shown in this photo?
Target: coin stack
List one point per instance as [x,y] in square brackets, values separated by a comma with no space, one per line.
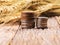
[41,22]
[27,20]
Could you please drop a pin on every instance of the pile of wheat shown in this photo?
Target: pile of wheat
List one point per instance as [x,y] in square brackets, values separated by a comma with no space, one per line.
[11,9]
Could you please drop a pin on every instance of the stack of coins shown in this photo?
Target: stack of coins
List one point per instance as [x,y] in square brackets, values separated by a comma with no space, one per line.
[27,20]
[41,22]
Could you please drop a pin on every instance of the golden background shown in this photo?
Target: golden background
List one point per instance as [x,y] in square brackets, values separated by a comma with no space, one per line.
[11,9]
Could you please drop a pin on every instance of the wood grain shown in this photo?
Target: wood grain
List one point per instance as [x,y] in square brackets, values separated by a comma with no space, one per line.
[12,34]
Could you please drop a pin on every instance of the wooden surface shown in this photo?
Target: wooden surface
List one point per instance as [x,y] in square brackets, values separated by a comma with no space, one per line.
[12,34]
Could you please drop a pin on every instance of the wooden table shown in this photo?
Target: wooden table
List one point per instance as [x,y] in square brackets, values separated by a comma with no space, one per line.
[12,34]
